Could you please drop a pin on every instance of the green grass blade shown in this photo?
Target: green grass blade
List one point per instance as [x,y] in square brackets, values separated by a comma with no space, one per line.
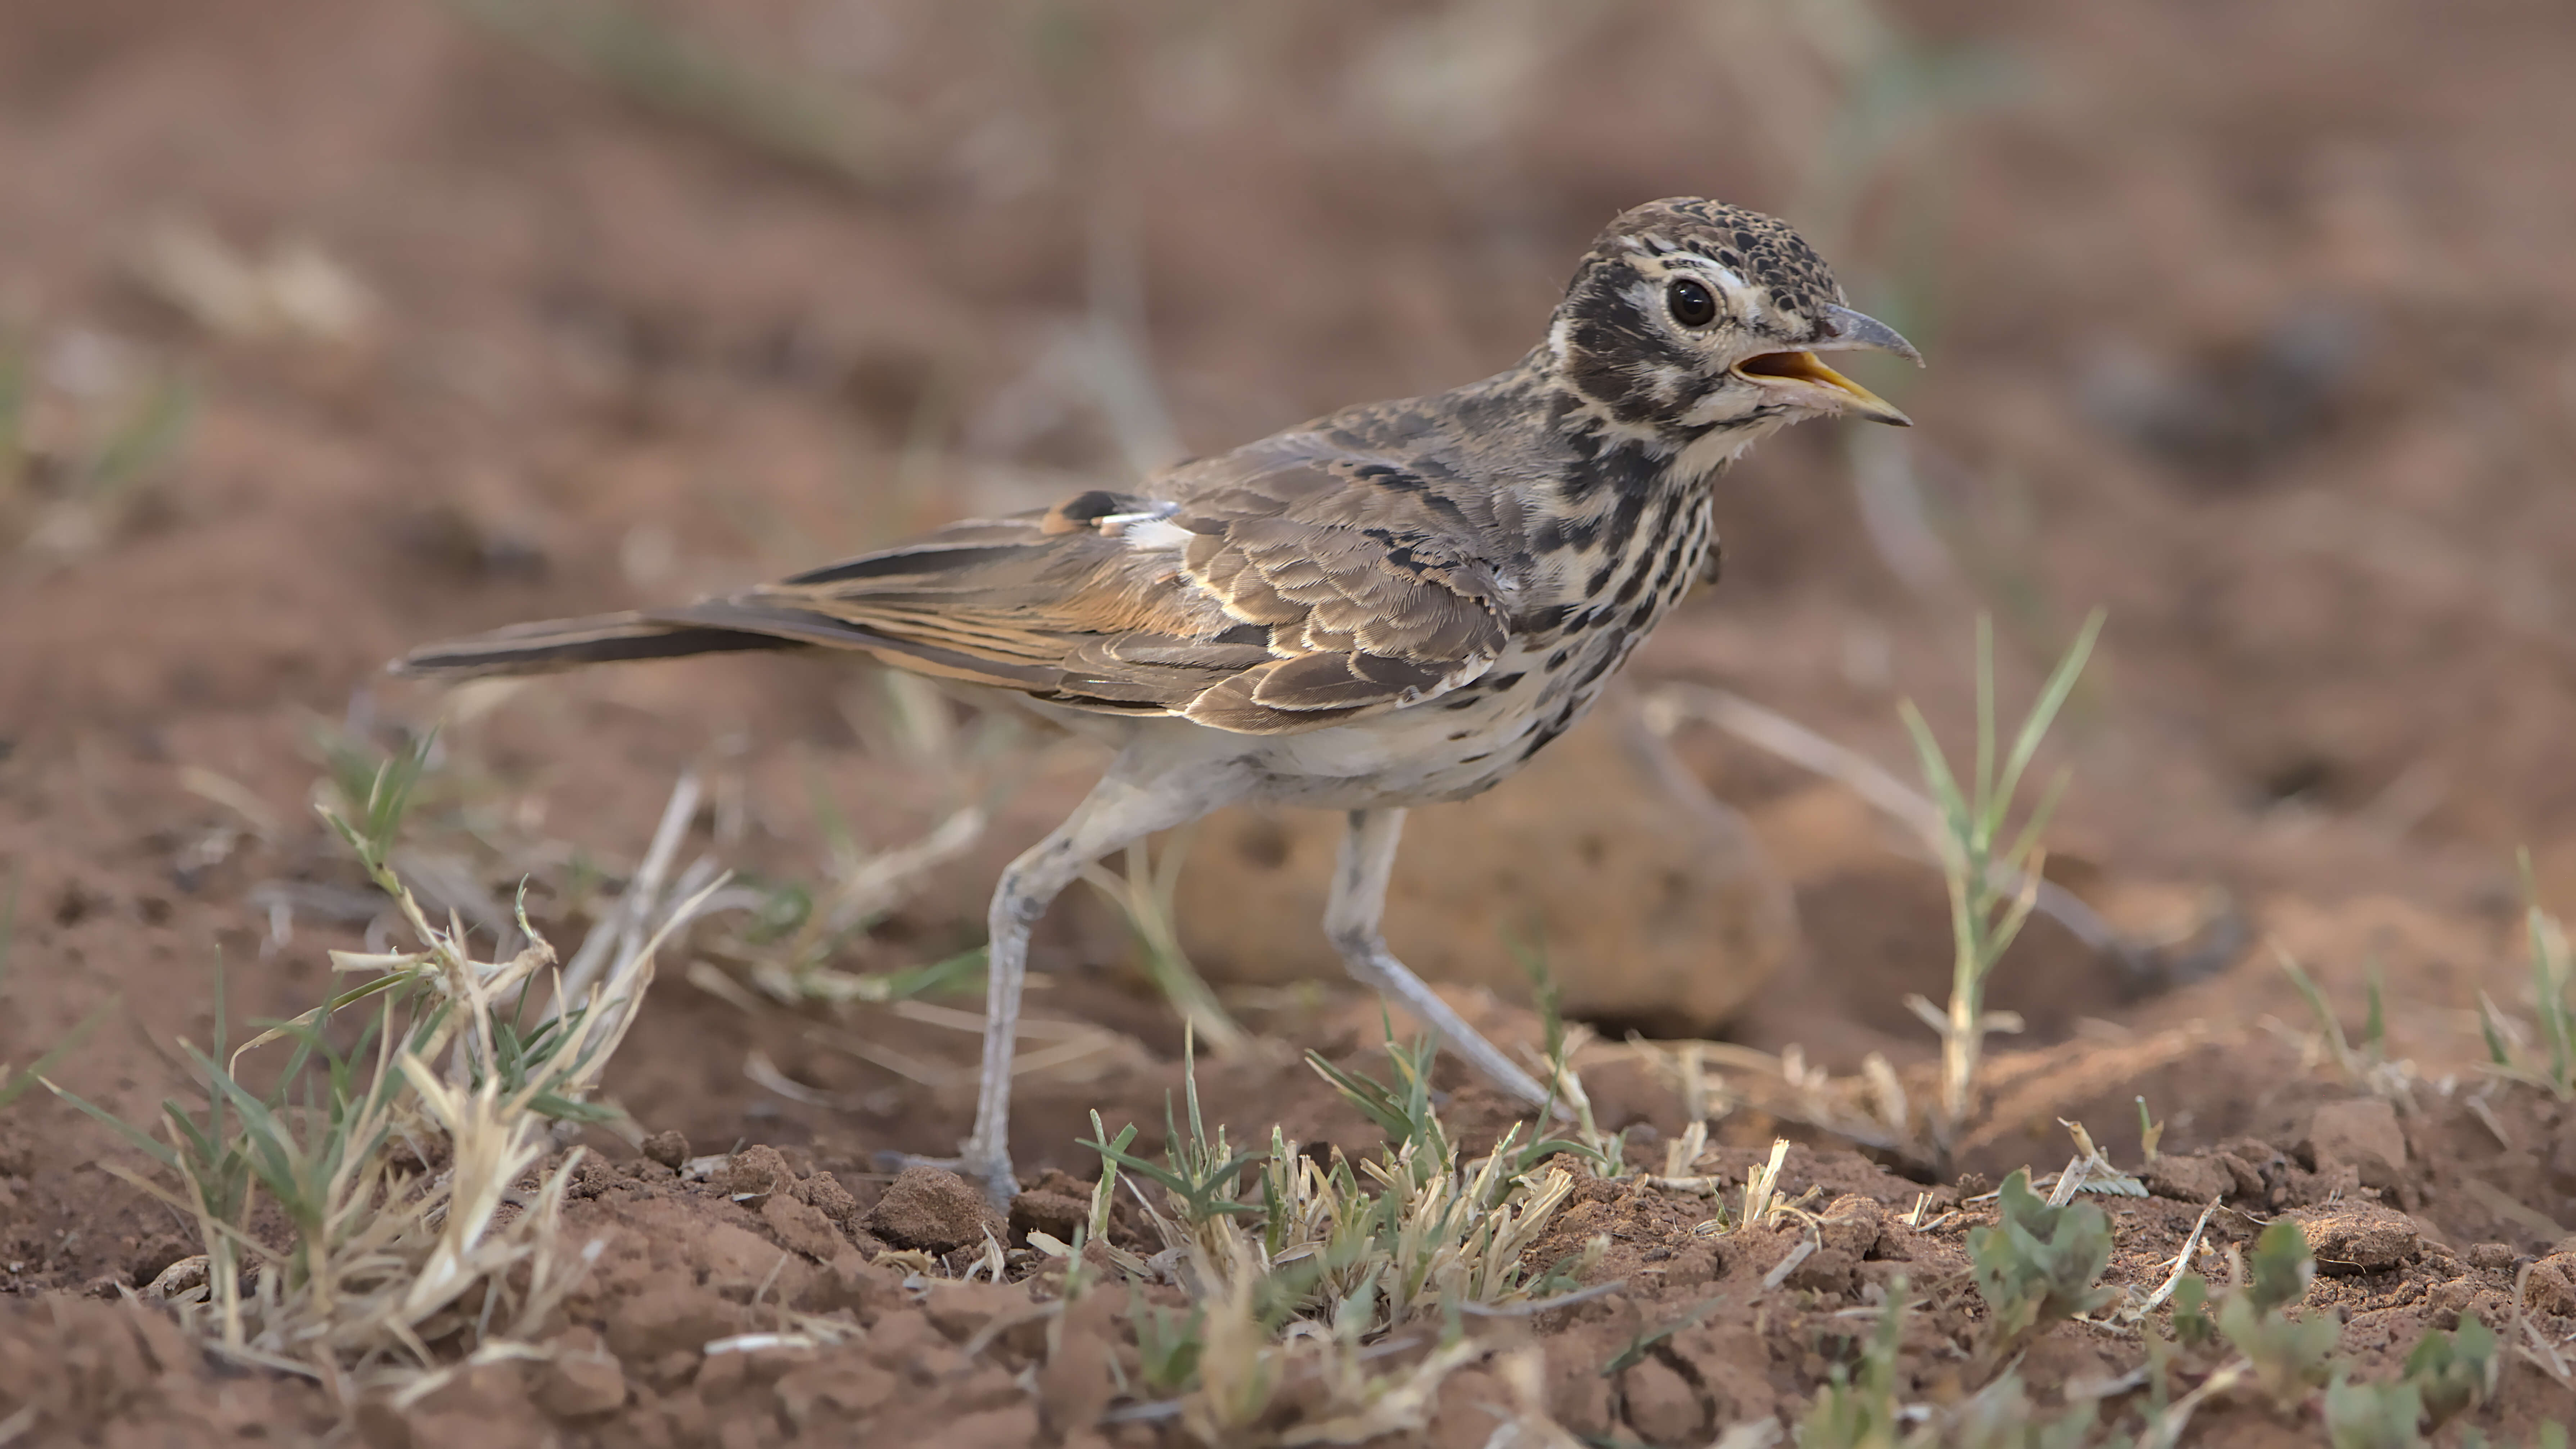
[1936,770]
[2052,698]
[1986,793]
[151,1146]
[2315,996]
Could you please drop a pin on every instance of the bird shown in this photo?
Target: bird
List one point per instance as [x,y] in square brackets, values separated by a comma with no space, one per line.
[1391,606]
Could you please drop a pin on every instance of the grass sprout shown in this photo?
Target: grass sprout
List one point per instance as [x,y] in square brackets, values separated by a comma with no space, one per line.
[392,1270]
[1295,1263]
[1201,1174]
[1985,914]
[1565,1094]
[793,931]
[2367,1064]
[2553,1001]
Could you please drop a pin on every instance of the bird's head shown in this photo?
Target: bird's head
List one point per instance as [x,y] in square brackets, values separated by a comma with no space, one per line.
[1694,317]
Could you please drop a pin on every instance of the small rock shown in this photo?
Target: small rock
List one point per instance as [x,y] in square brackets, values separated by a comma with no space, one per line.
[933,1210]
[2357,1237]
[667,1148]
[2362,1134]
[2189,1179]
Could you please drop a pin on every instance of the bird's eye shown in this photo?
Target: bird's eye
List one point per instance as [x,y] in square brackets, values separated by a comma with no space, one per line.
[1691,303]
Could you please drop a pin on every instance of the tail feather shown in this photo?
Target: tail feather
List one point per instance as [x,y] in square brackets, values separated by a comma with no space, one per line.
[567,643]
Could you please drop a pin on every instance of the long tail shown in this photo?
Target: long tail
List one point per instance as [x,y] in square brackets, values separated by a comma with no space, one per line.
[565,643]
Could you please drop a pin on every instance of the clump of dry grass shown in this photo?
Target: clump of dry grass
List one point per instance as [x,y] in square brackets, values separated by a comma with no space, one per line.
[1979,856]
[1301,1269]
[397,1158]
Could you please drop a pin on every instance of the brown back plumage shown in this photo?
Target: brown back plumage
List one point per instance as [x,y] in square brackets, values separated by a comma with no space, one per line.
[1289,585]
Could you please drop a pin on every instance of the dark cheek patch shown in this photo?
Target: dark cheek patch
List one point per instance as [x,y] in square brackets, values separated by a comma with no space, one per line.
[1616,349]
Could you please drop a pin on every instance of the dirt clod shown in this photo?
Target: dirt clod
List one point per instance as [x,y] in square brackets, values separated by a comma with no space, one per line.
[2190,1179]
[2359,1237]
[668,1148]
[803,1226]
[1851,1225]
[824,1193]
[2551,1289]
[933,1210]
[753,1174]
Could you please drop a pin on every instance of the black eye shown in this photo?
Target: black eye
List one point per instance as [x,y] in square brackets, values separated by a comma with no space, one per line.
[1691,303]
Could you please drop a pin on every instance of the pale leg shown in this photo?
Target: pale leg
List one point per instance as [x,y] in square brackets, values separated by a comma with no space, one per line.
[1351,916]
[1128,804]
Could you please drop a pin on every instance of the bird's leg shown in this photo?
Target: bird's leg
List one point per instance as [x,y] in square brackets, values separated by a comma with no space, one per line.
[1127,805]
[1351,916]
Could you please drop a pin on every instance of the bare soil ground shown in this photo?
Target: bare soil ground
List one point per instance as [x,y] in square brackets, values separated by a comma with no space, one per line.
[2252,323]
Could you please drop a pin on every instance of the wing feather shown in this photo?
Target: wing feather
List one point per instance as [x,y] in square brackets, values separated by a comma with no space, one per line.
[1285,587]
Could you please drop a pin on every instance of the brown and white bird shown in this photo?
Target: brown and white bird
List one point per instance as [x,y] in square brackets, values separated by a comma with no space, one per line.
[1394,605]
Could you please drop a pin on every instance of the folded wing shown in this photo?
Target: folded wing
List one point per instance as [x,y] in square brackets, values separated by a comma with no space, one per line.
[1282,588]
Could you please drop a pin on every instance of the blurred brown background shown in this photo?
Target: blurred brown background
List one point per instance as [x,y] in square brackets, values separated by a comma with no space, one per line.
[329,327]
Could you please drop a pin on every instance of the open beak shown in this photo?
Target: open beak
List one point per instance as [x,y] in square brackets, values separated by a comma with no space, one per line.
[1820,386]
